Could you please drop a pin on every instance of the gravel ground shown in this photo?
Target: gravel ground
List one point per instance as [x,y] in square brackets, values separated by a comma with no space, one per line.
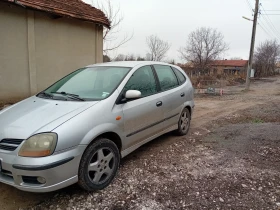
[229,160]
[232,167]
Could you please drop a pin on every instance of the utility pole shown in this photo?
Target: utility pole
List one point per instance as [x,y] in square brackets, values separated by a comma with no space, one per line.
[250,65]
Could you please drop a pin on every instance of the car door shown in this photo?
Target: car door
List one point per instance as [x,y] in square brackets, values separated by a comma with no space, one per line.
[173,94]
[143,117]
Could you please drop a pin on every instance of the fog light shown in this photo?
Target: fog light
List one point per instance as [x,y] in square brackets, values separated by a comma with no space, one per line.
[41,180]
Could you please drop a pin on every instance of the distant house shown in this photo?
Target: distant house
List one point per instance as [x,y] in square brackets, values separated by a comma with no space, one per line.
[227,67]
[43,40]
[218,67]
[189,69]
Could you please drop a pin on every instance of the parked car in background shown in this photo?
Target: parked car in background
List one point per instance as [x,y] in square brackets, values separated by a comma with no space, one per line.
[78,129]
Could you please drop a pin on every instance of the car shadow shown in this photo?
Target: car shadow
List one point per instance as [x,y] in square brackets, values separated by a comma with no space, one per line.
[152,147]
[12,198]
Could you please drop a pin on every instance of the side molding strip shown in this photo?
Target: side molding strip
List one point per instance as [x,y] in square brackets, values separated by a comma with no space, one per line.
[43,167]
[152,125]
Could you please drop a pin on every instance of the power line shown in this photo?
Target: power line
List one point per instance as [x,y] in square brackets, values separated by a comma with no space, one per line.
[270,23]
[249,5]
[265,30]
[255,23]
[272,28]
[260,23]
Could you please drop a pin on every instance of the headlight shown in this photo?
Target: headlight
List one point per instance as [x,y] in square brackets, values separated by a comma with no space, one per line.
[39,145]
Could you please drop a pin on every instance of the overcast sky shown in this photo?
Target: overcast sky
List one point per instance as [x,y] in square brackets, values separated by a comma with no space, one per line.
[173,20]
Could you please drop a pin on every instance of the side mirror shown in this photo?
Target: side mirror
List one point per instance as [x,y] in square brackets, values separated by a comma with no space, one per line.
[132,94]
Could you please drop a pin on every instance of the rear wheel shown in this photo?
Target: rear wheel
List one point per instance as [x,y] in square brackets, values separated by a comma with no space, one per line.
[99,165]
[184,123]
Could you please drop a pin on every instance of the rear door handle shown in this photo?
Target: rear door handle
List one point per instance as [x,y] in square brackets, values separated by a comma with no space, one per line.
[182,94]
[159,103]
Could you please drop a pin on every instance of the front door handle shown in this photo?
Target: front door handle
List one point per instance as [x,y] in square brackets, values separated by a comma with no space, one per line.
[182,94]
[159,103]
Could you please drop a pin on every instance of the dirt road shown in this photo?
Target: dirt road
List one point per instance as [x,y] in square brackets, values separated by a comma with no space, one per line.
[230,160]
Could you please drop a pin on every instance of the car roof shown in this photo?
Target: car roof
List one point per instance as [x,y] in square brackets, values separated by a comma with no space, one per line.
[130,64]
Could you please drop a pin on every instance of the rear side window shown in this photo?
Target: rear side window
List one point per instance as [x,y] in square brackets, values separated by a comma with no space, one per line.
[166,76]
[180,76]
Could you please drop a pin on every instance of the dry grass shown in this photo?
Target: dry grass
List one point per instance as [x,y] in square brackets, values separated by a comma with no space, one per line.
[224,80]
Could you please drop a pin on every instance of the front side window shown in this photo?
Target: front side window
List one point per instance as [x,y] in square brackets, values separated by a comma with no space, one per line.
[166,76]
[92,83]
[142,80]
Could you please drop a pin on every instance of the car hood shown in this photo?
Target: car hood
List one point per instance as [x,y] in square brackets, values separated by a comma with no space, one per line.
[35,115]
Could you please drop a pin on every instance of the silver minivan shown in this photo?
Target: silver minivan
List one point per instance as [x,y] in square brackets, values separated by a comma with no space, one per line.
[78,129]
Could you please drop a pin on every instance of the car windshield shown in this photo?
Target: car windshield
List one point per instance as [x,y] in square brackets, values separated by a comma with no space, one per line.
[92,83]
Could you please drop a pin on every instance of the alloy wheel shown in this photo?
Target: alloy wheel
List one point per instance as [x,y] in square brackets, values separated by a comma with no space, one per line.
[184,122]
[101,165]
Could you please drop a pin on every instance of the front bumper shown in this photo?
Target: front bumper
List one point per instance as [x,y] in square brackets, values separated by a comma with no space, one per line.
[59,170]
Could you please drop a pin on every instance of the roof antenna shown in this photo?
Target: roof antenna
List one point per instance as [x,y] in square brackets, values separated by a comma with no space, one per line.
[16,2]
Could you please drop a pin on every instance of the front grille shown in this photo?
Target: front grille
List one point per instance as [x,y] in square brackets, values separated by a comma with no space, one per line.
[10,144]
[6,173]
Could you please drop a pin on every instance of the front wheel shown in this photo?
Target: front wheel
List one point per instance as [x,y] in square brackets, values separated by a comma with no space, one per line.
[99,165]
[184,123]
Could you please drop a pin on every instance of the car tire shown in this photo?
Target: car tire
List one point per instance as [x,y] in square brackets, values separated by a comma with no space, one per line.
[184,123]
[99,165]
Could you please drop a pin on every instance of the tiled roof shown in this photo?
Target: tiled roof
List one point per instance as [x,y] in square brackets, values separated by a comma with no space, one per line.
[238,63]
[68,8]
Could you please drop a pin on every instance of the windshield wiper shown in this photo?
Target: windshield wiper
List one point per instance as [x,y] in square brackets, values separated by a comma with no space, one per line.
[46,94]
[70,95]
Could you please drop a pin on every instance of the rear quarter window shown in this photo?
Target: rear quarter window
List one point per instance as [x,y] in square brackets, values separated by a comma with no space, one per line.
[181,77]
[166,76]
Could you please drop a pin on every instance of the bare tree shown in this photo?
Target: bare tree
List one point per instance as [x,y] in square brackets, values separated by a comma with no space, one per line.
[120,57]
[157,48]
[170,61]
[139,58]
[203,46]
[130,57]
[148,57]
[106,58]
[266,58]
[110,35]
